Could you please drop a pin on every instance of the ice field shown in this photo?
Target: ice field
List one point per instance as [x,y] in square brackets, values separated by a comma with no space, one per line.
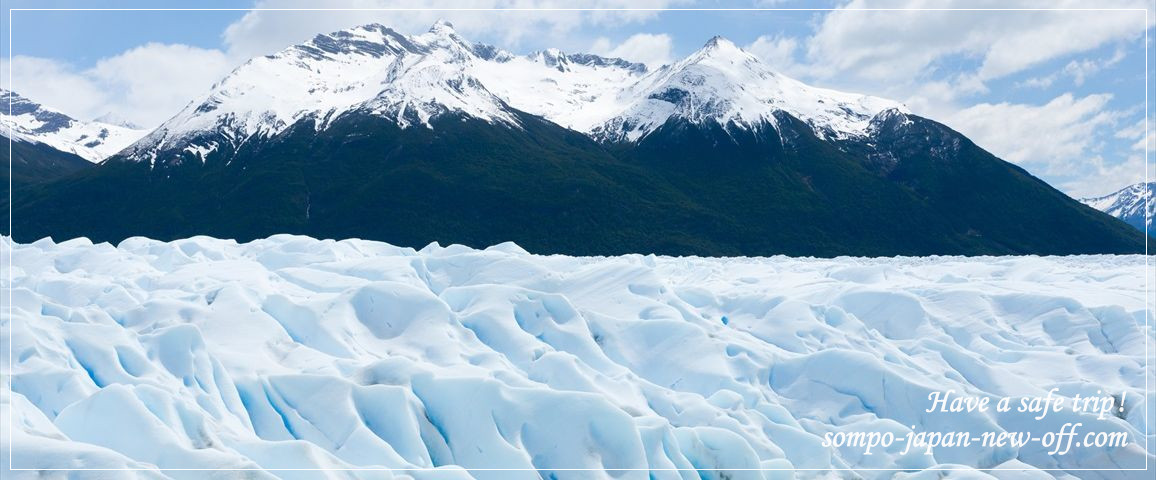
[280,357]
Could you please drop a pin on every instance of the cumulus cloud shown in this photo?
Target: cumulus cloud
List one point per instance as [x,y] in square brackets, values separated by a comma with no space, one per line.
[1062,139]
[654,50]
[1078,70]
[887,45]
[1053,135]
[779,52]
[1143,134]
[144,85]
[939,98]
[1100,177]
[42,80]
[938,62]
[1038,82]
[263,32]
[154,81]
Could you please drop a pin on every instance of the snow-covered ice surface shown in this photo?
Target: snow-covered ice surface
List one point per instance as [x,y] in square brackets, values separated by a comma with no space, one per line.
[291,352]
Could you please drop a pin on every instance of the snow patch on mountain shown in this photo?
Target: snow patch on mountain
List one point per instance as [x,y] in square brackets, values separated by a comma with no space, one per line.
[34,123]
[290,352]
[1133,204]
[578,92]
[418,88]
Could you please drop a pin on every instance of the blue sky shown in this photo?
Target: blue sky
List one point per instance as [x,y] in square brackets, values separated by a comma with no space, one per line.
[1060,93]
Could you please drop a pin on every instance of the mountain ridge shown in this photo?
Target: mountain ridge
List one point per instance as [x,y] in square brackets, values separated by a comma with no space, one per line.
[31,122]
[44,144]
[368,133]
[609,99]
[1134,204]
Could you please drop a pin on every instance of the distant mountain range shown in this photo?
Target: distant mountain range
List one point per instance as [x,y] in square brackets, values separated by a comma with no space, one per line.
[1133,204]
[33,123]
[47,144]
[410,139]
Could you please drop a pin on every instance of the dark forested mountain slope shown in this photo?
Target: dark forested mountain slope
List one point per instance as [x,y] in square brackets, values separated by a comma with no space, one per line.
[413,139]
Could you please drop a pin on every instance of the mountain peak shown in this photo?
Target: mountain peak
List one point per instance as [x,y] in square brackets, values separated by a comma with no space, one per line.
[442,27]
[371,27]
[19,105]
[554,58]
[719,43]
[720,50]
[42,119]
[442,35]
[411,78]
[723,84]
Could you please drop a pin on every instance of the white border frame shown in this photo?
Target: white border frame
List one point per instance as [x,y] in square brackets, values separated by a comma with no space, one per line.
[1147,258]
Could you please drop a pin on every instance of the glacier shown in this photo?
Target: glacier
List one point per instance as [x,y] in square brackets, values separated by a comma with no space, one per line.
[291,357]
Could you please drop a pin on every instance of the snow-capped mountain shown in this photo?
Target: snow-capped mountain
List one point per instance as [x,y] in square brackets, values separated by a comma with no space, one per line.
[34,123]
[722,83]
[1133,204]
[413,78]
[369,133]
[371,68]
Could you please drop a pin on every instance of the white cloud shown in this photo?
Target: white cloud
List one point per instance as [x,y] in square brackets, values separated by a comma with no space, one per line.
[1061,139]
[1079,71]
[1038,82]
[153,81]
[654,50]
[1052,135]
[264,32]
[778,52]
[1148,142]
[1100,177]
[54,84]
[1145,139]
[1054,34]
[144,85]
[904,45]
[1082,69]
[939,99]
[938,62]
